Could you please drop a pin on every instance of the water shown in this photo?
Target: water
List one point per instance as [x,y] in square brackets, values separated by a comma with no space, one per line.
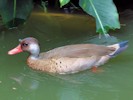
[19,82]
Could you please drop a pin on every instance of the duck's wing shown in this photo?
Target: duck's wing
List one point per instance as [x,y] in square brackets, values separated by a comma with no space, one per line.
[79,50]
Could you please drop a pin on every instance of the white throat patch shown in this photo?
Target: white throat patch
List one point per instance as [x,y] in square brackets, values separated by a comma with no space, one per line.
[34,48]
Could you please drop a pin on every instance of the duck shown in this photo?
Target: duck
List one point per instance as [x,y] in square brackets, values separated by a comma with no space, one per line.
[67,59]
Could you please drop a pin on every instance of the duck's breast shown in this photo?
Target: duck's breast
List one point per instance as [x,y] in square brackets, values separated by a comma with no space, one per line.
[63,65]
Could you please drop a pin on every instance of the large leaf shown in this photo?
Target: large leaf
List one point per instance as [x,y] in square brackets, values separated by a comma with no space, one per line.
[104,12]
[14,12]
[63,2]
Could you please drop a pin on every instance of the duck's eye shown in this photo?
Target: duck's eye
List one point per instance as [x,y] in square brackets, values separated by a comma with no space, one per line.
[24,44]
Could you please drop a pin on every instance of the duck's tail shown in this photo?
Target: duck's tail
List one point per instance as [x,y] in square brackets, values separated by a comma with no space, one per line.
[121,46]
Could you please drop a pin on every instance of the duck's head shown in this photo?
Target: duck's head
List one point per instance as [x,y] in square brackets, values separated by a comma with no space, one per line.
[29,44]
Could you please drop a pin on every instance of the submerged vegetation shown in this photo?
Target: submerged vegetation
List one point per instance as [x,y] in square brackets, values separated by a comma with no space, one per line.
[15,12]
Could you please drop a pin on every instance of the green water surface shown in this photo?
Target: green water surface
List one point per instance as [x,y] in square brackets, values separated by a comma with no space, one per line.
[19,82]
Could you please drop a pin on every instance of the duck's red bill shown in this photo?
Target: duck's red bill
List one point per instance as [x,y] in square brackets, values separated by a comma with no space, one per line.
[15,50]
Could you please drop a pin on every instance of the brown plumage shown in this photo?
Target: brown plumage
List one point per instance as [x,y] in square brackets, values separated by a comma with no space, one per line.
[66,59]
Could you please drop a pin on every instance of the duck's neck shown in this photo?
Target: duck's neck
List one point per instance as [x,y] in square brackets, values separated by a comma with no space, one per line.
[34,51]
[34,56]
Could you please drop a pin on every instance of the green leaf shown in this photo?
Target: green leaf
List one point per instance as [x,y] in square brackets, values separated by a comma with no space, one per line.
[15,12]
[105,13]
[63,2]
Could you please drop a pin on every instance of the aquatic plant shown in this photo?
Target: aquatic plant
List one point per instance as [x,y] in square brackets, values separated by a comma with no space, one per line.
[15,12]
[104,12]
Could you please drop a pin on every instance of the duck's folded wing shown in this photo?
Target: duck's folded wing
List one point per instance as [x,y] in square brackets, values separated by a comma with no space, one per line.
[79,50]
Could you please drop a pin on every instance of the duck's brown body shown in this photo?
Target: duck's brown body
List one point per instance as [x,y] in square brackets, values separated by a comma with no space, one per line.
[66,59]
[69,59]
[62,65]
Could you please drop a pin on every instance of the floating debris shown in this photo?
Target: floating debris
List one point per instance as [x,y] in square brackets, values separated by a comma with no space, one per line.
[14,88]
